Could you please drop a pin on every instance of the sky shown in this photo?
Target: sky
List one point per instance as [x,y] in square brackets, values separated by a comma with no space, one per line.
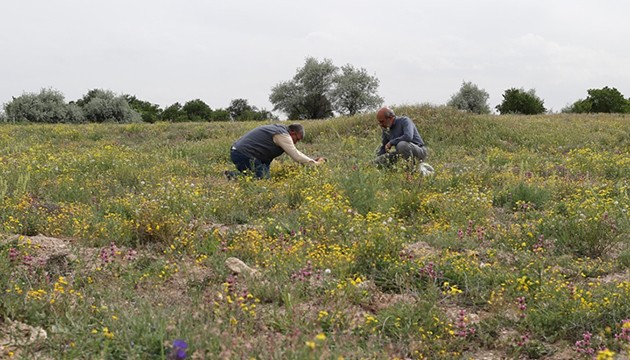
[167,51]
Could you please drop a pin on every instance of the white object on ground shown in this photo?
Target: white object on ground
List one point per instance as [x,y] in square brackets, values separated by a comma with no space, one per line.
[426,169]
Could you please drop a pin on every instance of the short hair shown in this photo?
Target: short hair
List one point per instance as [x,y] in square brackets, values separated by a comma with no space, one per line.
[297,128]
[389,113]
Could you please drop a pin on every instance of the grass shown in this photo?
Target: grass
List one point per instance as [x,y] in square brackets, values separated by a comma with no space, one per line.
[114,237]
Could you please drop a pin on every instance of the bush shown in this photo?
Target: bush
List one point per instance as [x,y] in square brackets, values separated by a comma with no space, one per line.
[48,106]
[604,100]
[174,113]
[581,106]
[197,110]
[470,98]
[104,106]
[519,101]
[149,112]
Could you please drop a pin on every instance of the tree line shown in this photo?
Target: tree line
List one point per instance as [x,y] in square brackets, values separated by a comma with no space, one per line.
[519,101]
[318,90]
[98,105]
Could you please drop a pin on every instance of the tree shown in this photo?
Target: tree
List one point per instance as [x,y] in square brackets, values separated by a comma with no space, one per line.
[197,110]
[579,107]
[470,98]
[519,101]
[104,106]
[220,115]
[174,113]
[606,100]
[288,97]
[149,112]
[238,107]
[355,90]
[48,106]
[306,96]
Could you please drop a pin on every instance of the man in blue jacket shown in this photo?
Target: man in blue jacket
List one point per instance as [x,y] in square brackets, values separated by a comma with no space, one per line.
[400,139]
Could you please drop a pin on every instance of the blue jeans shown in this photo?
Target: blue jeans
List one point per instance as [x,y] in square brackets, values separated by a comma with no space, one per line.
[244,163]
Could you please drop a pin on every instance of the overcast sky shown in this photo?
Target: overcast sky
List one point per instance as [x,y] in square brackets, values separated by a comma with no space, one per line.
[421,51]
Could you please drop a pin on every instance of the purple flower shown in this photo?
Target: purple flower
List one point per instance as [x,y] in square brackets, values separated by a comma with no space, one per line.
[179,350]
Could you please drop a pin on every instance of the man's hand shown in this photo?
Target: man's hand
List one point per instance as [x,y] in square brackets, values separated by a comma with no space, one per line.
[388,146]
[320,160]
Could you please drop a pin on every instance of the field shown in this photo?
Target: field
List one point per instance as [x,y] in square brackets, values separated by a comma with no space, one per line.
[126,242]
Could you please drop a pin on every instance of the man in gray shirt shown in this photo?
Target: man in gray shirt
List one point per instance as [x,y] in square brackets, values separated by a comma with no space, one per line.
[255,150]
[400,133]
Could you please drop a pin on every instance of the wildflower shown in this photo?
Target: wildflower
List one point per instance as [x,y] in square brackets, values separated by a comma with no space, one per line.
[108,334]
[179,350]
[625,331]
[13,254]
[605,355]
[584,346]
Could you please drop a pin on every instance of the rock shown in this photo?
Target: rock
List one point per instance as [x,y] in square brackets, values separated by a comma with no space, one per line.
[239,267]
[14,335]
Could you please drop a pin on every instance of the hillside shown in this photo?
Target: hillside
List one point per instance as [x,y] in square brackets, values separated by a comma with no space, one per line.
[118,240]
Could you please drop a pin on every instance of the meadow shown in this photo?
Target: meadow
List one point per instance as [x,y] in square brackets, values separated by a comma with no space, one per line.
[114,239]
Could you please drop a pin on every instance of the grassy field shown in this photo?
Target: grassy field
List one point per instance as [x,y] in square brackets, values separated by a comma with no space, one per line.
[114,241]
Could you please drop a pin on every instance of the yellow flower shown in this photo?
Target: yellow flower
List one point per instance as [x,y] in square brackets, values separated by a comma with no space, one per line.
[321,337]
[605,355]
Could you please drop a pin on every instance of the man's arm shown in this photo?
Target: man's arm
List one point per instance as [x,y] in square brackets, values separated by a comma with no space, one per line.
[286,143]
[384,140]
[407,131]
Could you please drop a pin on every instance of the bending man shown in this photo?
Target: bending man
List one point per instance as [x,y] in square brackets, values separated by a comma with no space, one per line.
[255,150]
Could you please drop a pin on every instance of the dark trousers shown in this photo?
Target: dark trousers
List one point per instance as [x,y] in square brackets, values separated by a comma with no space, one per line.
[245,163]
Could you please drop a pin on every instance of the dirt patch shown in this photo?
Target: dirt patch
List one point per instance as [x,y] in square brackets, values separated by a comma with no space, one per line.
[487,355]
[382,301]
[616,277]
[15,335]
[52,254]
[418,249]
[60,257]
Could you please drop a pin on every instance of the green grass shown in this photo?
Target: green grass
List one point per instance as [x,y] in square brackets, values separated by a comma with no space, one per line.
[517,245]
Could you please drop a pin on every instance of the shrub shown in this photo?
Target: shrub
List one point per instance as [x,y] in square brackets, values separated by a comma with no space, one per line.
[48,106]
[104,106]
[519,101]
[470,98]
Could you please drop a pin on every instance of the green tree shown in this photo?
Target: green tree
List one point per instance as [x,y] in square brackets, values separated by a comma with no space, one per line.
[197,110]
[220,115]
[238,107]
[519,101]
[104,106]
[470,98]
[306,96]
[606,100]
[149,112]
[48,106]
[580,106]
[355,91]
[174,113]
